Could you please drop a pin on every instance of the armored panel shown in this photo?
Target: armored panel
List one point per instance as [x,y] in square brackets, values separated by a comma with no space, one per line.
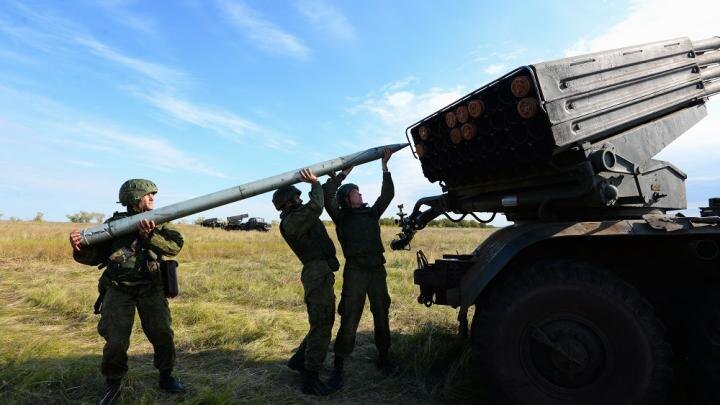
[527,123]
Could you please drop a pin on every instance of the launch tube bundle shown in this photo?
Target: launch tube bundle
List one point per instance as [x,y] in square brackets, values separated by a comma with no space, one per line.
[562,137]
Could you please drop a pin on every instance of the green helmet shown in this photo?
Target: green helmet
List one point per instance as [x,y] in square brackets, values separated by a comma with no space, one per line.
[344,191]
[283,195]
[134,189]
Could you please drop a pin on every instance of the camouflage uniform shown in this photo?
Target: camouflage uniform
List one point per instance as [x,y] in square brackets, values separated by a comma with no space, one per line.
[302,229]
[132,280]
[358,230]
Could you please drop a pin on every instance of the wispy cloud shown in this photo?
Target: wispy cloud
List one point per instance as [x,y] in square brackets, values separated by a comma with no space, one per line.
[120,12]
[163,75]
[54,124]
[484,54]
[148,150]
[326,19]
[496,61]
[654,20]
[262,33]
[495,68]
[396,104]
[82,163]
[391,108]
[223,122]
[164,87]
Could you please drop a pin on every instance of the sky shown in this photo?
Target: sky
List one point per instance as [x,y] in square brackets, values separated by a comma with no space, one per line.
[200,96]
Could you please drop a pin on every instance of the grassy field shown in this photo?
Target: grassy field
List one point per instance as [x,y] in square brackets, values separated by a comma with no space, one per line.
[238,318]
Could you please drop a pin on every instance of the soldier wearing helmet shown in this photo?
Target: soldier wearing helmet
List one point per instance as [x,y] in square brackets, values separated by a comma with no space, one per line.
[303,231]
[131,281]
[358,230]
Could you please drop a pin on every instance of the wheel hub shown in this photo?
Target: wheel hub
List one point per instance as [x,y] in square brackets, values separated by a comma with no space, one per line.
[568,353]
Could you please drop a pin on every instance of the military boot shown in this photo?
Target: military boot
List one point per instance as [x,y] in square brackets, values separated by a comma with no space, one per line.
[311,384]
[297,361]
[336,380]
[386,365]
[169,383]
[112,391]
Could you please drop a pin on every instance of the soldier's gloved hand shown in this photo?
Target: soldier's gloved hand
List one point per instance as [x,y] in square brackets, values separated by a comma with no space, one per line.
[76,240]
[386,156]
[307,176]
[145,228]
[344,172]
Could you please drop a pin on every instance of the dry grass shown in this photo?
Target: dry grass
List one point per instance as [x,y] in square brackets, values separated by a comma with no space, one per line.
[239,316]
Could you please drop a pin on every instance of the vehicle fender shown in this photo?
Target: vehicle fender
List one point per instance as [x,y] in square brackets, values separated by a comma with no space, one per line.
[502,246]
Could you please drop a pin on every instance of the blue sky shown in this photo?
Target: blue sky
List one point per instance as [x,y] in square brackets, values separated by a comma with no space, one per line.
[200,96]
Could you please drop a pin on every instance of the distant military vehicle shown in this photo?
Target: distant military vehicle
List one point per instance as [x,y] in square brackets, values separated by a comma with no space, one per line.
[213,223]
[595,294]
[233,222]
[257,224]
[253,224]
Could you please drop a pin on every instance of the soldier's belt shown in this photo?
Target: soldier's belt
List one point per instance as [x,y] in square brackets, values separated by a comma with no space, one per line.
[132,283]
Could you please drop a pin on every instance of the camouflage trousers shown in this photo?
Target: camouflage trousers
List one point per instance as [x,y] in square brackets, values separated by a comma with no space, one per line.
[116,322]
[318,280]
[361,280]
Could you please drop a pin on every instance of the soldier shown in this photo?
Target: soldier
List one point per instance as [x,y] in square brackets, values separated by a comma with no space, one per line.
[358,230]
[303,231]
[132,280]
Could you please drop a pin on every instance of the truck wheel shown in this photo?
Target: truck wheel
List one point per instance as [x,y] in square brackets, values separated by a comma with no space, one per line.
[564,332]
[705,348]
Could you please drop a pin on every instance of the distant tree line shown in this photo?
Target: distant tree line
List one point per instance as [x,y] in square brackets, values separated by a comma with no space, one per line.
[84,217]
[39,217]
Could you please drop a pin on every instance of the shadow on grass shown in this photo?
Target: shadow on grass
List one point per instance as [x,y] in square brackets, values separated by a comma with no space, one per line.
[433,363]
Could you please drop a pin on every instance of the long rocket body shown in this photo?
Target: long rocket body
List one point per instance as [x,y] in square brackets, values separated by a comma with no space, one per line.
[101,233]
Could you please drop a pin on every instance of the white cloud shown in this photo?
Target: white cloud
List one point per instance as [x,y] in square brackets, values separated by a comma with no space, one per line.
[655,20]
[496,61]
[145,149]
[695,151]
[495,68]
[326,18]
[82,163]
[160,74]
[392,108]
[262,33]
[53,125]
[162,86]
[216,119]
[120,13]
[395,105]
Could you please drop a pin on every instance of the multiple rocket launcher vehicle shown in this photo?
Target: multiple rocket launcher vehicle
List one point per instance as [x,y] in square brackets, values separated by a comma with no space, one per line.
[565,150]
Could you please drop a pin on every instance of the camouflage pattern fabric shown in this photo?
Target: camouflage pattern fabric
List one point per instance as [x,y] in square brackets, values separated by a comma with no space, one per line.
[304,232]
[134,189]
[359,282]
[320,302]
[116,322]
[364,275]
[132,281]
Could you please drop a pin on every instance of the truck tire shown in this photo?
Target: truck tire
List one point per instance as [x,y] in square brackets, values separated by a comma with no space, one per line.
[705,348]
[565,332]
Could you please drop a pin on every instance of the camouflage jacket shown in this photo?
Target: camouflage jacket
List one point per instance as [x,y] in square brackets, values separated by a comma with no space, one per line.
[303,231]
[358,229]
[130,257]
